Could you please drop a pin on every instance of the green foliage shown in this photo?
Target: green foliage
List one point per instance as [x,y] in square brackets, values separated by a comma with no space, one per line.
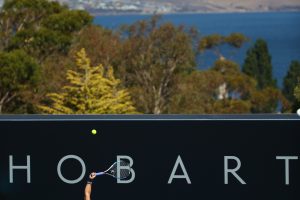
[18,72]
[155,61]
[18,15]
[290,82]
[232,106]
[296,104]
[234,94]
[237,84]
[258,65]
[39,27]
[45,31]
[297,93]
[195,92]
[68,21]
[210,41]
[28,13]
[226,67]
[40,43]
[102,45]
[223,89]
[200,93]
[236,40]
[34,5]
[152,54]
[90,90]
[214,41]
[265,101]
[243,90]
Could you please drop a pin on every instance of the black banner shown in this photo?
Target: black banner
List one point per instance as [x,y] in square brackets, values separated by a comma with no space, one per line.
[171,159]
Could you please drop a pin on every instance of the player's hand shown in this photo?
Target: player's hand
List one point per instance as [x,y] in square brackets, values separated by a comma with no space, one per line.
[92,175]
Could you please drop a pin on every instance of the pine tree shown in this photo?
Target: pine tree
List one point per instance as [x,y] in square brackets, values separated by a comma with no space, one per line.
[258,65]
[91,90]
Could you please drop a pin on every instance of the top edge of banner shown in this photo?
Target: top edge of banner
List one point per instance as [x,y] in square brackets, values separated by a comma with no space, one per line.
[276,117]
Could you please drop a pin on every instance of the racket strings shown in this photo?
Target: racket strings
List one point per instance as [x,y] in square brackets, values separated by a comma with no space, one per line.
[124,172]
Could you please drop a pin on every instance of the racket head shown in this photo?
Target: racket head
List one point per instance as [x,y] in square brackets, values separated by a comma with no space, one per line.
[122,173]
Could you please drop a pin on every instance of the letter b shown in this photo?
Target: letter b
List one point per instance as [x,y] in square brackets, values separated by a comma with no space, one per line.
[119,158]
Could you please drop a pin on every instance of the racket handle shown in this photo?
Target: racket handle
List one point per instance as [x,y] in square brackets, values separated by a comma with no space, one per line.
[99,173]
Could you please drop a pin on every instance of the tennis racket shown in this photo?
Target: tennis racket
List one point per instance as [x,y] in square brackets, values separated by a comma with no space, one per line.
[113,170]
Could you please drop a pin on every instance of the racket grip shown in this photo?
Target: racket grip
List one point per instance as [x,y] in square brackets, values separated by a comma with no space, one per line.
[99,173]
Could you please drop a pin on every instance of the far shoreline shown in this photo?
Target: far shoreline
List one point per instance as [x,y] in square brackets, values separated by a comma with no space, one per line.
[191,13]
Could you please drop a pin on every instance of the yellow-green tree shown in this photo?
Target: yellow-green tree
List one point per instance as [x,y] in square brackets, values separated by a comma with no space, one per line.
[90,90]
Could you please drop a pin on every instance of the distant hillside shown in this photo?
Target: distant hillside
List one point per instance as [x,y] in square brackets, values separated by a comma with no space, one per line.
[174,6]
[238,5]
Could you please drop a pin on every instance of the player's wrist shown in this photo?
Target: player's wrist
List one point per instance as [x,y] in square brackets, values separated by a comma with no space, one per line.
[90,181]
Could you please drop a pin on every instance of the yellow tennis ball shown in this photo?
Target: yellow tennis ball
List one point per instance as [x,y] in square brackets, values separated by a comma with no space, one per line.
[94,131]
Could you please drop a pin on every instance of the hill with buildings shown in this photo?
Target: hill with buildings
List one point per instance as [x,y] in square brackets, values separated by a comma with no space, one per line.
[178,6]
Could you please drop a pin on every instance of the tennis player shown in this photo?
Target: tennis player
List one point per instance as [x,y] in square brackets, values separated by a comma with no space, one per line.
[88,187]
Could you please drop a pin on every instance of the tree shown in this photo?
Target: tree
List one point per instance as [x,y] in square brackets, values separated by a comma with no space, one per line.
[297,93]
[67,21]
[258,65]
[18,15]
[290,82]
[242,91]
[39,27]
[221,89]
[233,95]
[45,30]
[265,100]
[151,55]
[215,41]
[90,90]
[195,92]
[41,43]
[238,85]
[102,45]
[232,106]
[19,72]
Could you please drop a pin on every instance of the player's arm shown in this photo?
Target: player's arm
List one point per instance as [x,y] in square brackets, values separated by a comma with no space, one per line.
[88,187]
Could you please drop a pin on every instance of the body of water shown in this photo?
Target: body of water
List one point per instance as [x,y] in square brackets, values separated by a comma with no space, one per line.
[281,30]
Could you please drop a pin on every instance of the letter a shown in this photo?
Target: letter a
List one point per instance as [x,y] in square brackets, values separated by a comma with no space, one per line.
[185,174]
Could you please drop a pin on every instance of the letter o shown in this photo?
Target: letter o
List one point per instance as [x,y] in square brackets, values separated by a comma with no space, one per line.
[59,169]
